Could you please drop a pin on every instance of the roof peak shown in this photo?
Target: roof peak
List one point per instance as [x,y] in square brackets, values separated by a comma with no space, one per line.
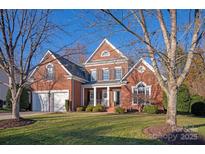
[105,40]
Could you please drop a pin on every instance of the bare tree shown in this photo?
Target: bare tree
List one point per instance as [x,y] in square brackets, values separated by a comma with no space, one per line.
[169,29]
[76,54]
[22,33]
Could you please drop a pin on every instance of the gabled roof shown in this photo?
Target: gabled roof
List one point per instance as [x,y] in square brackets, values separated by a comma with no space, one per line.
[111,45]
[145,63]
[71,68]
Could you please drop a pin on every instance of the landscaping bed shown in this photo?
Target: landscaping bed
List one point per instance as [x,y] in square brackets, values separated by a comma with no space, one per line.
[10,123]
[175,136]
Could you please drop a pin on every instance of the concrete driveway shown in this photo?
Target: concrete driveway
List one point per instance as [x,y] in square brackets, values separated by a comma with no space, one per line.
[22,114]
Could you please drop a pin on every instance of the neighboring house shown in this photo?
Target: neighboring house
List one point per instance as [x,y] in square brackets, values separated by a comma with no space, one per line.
[104,78]
[3,89]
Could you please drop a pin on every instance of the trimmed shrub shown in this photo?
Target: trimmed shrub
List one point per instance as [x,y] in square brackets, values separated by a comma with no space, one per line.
[198,109]
[119,110]
[24,100]
[67,105]
[81,108]
[197,98]
[99,108]
[183,100]
[89,108]
[150,109]
[1,104]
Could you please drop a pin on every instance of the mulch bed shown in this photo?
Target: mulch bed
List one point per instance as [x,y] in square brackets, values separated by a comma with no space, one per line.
[174,136]
[10,123]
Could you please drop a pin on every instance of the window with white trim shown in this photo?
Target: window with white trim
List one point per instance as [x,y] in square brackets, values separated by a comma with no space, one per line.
[141,93]
[105,53]
[118,73]
[106,75]
[50,72]
[93,75]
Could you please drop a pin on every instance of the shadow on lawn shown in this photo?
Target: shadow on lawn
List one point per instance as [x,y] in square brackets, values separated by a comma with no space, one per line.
[92,136]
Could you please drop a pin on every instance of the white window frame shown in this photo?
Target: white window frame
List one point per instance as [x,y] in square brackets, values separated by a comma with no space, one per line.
[49,64]
[106,69]
[118,68]
[146,86]
[93,79]
[105,53]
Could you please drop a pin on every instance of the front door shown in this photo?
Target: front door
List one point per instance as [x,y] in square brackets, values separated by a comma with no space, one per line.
[104,97]
[116,97]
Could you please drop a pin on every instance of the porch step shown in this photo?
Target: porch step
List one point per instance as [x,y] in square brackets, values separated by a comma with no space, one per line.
[111,109]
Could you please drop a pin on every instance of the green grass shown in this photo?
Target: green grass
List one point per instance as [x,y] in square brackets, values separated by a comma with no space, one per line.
[89,128]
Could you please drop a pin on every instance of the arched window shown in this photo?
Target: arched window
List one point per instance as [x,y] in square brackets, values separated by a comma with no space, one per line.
[141,93]
[105,53]
[50,72]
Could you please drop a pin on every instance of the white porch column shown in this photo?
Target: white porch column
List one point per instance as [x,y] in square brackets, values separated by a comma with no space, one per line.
[108,96]
[95,96]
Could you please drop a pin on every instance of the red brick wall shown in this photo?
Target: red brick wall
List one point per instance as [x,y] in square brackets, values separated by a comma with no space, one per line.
[113,54]
[148,78]
[111,67]
[61,81]
[77,94]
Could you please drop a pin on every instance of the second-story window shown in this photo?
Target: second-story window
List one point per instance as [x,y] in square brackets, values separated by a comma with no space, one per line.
[93,75]
[118,73]
[106,74]
[49,72]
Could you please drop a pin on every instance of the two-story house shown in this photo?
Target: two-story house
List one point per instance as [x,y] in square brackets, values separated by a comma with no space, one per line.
[104,78]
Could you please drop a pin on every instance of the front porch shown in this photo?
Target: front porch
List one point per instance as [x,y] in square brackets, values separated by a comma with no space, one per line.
[107,96]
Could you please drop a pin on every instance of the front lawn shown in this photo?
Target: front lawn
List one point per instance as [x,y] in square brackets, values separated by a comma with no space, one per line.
[92,128]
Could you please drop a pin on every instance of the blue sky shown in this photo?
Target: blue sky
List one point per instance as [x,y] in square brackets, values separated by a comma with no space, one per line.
[78,27]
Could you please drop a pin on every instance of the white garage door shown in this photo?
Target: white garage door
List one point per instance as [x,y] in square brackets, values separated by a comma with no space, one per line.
[59,102]
[40,102]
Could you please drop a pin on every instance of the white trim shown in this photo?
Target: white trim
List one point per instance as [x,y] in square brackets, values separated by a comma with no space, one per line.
[118,68]
[103,85]
[95,96]
[52,91]
[108,96]
[93,69]
[141,82]
[146,86]
[105,68]
[77,79]
[91,76]
[105,52]
[99,63]
[145,63]
[112,46]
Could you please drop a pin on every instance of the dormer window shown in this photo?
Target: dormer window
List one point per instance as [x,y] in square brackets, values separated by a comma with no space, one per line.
[105,53]
[50,72]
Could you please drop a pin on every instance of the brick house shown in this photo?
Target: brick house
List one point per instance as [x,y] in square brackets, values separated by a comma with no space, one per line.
[104,78]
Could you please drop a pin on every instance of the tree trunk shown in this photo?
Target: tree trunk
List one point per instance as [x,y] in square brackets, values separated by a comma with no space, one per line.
[15,109]
[171,108]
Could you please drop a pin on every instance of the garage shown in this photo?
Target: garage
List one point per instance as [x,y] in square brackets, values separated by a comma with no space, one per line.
[40,101]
